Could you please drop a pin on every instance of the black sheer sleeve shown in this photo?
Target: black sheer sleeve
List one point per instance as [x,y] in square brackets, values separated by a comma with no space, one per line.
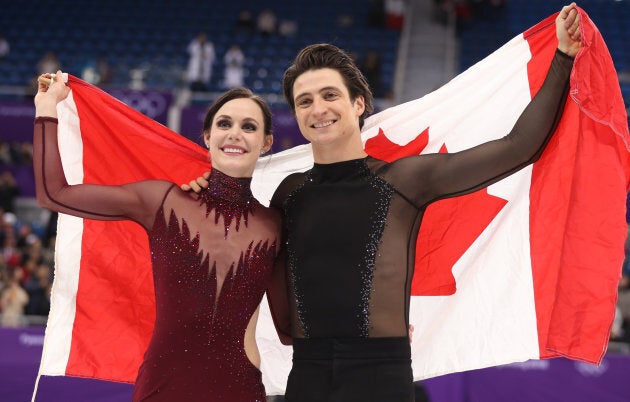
[427,178]
[136,201]
[278,299]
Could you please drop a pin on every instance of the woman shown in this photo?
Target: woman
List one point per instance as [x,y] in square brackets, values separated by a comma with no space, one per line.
[212,253]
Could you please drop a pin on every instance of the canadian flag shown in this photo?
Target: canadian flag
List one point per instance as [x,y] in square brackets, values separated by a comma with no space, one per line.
[525,269]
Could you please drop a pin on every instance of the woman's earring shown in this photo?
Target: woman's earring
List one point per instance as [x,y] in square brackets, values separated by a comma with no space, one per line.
[262,151]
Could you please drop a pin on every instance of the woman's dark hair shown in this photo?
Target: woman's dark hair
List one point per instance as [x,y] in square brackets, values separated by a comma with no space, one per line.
[238,93]
[324,55]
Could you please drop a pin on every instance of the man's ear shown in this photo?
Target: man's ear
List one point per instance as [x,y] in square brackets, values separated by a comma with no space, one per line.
[359,104]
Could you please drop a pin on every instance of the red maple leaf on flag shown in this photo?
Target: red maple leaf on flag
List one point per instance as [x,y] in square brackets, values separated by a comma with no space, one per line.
[449,227]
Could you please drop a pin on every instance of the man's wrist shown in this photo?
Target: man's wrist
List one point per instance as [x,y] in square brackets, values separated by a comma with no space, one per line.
[564,53]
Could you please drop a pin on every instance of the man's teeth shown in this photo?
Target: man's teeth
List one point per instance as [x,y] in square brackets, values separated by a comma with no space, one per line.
[323,124]
[233,150]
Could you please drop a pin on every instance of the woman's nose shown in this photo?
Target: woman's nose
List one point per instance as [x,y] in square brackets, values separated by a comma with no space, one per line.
[234,134]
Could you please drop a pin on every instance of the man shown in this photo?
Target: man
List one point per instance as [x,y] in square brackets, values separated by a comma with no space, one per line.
[352,223]
[201,57]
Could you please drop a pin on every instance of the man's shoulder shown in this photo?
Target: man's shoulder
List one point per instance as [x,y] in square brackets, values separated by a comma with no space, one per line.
[292,181]
[287,186]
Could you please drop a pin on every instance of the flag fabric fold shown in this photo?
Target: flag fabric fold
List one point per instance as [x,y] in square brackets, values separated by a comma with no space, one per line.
[525,269]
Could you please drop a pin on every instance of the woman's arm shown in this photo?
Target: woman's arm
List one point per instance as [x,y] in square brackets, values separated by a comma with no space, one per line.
[131,201]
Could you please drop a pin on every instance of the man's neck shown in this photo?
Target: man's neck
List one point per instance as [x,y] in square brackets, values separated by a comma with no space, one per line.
[344,149]
[332,154]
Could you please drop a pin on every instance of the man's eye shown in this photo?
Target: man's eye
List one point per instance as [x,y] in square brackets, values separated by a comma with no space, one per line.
[304,102]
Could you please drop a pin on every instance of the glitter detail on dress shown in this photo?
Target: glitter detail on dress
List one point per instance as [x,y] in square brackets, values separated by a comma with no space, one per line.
[205,299]
[230,197]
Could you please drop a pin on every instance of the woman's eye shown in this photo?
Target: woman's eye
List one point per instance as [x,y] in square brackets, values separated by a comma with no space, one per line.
[224,124]
[249,127]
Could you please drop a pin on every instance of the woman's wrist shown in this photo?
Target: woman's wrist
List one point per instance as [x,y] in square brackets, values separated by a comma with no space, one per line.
[46,118]
[46,109]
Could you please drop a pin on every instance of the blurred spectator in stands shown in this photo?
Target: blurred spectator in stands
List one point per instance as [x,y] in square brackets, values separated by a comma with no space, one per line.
[376,14]
[36,284]
[201,57]
[5,231]
[13,300]
[489,10]
[288,28]
[616,331]
[26,152]
[36,252]
[623,310]
[10,252]
[97,72]
[464,16]
[104,71]
[345,21]
[43,254]
[395,14]
[9,190]
[4,47]
[266,22]
[233,71]
[16,153]
[498,8]
[49,63]
[442,9]
[25,238]
[4,277]
[89,74]
[245,22]
[371,66]
[28,266]
[5,153]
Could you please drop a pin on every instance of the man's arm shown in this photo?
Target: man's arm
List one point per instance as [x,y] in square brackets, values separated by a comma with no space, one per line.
[448,175]
[198,184]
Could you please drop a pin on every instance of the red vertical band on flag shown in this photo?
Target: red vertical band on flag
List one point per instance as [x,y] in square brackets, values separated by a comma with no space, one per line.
[115,301]
[576,213]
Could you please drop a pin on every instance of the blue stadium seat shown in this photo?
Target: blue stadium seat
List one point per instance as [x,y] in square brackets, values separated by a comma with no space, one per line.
[482,36]
[158,33]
